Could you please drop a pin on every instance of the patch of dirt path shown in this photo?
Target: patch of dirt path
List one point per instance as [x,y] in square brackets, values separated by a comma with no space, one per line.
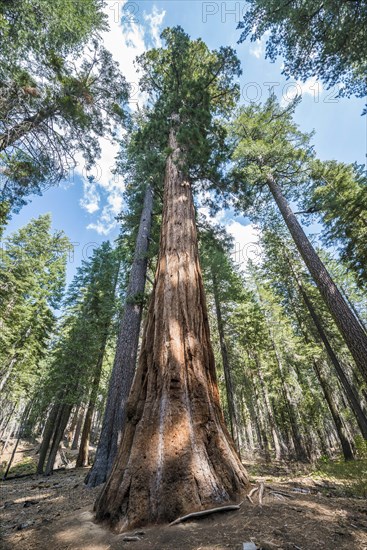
[55,513]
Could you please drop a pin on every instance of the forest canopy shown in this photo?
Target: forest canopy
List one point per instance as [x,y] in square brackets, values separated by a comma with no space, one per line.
[164,368]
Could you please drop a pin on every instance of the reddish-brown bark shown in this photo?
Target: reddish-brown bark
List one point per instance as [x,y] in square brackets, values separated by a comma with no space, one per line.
[176,455]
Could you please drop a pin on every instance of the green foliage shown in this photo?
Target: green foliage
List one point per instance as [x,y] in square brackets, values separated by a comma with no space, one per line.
[323,38]
[32,270]
[83,331]
[266,141]
[42,27]
[190,86]
[344,478]
[338,196]
[60,90]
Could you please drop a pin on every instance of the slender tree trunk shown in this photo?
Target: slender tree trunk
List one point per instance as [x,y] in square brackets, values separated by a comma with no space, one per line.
[262,433]
[49,430]
[82,458]
[58,433]
[8,371]
[349,390]
[6,421]
[78,428]
[19,435]
[11,431]
[226,367]
[126,353]
[176,455]
[254,415]
[325,449]
[97,423]
[280,450]
[300,451]
[351,330]
[72,425]
[342,435]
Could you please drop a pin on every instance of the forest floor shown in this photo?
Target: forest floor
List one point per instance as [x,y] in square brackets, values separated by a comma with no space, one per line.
[303,508]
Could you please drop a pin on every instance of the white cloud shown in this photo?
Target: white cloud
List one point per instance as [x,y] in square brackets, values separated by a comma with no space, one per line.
[246,243]
[257,48]
[90,200]
[245,237]
[311,87]
[125,40]
[155,20]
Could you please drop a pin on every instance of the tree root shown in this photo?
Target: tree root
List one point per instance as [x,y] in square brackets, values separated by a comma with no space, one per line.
[253,491]
[207,512]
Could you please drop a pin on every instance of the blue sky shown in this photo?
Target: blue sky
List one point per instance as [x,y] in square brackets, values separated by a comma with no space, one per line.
[86,212]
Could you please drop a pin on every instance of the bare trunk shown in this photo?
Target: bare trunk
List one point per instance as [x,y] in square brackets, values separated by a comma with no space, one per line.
[226,367]
[342,435]
[78,428]
[59,432]
[5,423]
[280,449]
[82,458]
[352,332]
[176,455]
[72,425]
[19,435]
[49,430]
[261,424]
[300,451]
[349,390]
[126,353]
[8,371]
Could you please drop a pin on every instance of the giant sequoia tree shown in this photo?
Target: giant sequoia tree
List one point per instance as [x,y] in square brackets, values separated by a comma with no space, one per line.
[176,454]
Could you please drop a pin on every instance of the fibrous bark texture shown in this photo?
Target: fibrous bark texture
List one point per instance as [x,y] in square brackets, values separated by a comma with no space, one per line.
[176,455]
[126,353]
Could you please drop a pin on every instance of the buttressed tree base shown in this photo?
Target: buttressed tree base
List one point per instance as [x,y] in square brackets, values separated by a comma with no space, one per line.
[176,455]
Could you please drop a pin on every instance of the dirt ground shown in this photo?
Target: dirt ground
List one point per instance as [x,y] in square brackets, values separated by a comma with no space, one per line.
[55,513]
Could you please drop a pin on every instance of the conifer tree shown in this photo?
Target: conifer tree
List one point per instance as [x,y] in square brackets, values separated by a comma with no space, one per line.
[273,159]
[60,92]
[326,39]
[32,269]
[337,195]
[176,454]
[79,349]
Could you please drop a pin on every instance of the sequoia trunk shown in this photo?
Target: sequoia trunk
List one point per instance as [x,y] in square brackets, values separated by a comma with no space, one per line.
[176,455]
